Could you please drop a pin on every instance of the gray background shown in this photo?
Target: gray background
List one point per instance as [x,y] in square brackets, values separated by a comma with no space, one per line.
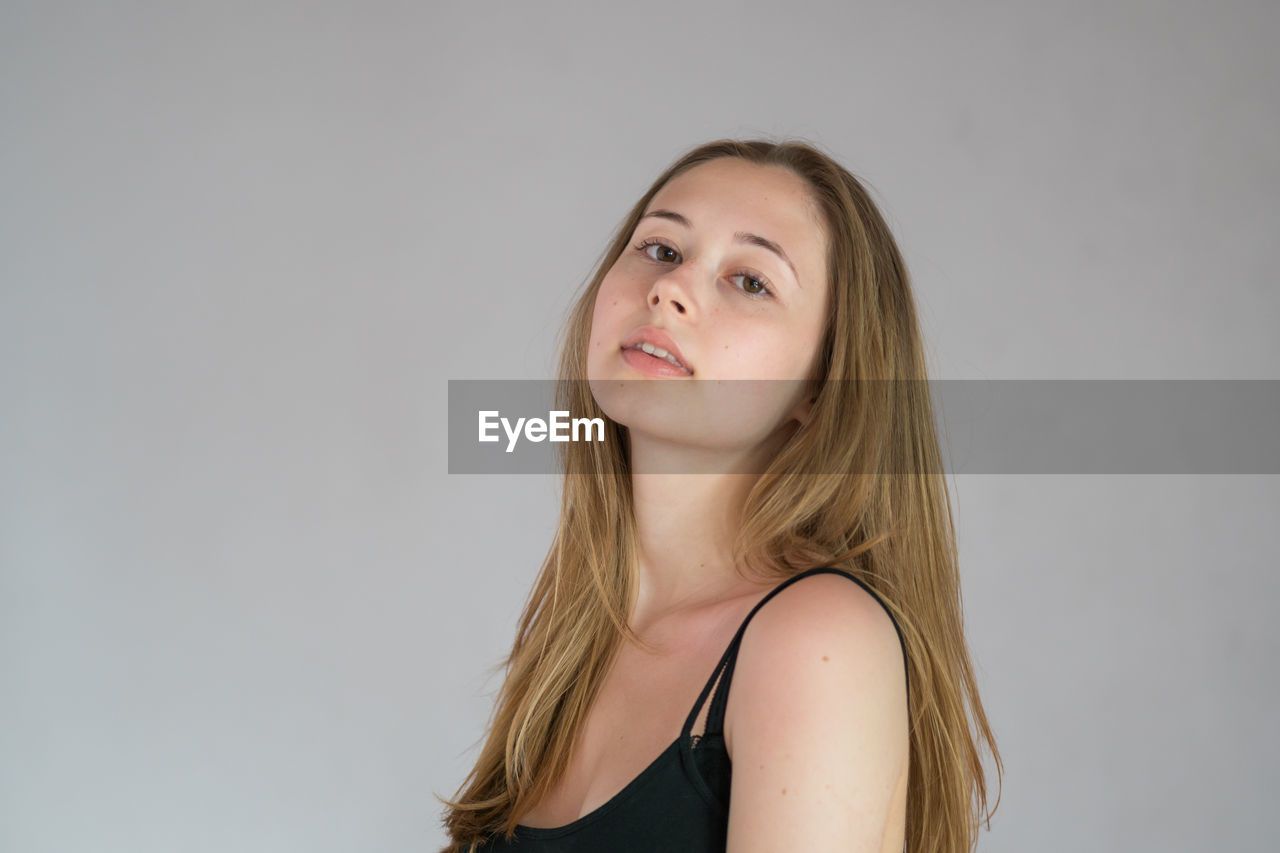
[244,245]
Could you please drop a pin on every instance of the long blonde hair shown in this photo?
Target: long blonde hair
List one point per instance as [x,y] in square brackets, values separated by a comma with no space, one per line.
[893,531]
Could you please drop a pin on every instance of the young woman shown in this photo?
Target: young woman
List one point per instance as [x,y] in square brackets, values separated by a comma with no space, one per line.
[838,719]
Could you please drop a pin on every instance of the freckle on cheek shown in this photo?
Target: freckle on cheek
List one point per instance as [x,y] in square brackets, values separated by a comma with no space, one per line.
[784,792]
[824,657]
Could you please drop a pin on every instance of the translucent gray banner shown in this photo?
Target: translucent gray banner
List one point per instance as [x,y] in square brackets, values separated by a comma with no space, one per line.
[1003,426]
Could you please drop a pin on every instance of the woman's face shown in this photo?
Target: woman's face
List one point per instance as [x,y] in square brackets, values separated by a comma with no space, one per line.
[730,307]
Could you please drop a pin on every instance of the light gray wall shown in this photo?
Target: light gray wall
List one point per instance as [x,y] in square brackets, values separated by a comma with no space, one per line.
[243,245]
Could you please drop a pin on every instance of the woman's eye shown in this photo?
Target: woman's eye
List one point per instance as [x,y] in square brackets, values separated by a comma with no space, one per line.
[644,247]
[748,279]
[753,286]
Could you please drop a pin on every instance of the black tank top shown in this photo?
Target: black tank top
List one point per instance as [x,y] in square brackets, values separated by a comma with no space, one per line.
[681,800]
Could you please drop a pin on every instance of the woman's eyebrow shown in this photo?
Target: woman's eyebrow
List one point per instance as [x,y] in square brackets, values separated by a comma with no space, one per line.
[739,236]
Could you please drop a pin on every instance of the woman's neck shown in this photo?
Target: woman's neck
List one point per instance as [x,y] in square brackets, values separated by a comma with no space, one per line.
[685,528]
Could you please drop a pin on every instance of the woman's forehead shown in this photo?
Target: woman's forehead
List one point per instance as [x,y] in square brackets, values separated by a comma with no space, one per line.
[730,194]
[733,183]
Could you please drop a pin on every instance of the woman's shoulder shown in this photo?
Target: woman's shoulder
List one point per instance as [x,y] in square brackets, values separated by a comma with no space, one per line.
[823,608]
[823,638]
[817,695]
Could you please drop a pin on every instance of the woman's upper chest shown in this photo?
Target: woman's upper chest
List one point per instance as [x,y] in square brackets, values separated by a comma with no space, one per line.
[643,703]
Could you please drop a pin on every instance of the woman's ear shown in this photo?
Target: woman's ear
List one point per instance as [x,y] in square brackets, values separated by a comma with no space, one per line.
[813,384]
[804,410]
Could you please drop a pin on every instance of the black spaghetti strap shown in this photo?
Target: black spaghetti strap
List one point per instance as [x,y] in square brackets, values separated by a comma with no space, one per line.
[702,697]
[715,716]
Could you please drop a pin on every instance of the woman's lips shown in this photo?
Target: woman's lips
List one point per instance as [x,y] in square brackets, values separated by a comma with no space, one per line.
[652,365]
[659,339]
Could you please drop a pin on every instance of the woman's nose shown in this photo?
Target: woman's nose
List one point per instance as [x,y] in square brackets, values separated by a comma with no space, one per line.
[670,291]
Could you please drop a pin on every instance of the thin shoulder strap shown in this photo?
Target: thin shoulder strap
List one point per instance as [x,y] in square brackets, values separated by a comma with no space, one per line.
[715,716]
